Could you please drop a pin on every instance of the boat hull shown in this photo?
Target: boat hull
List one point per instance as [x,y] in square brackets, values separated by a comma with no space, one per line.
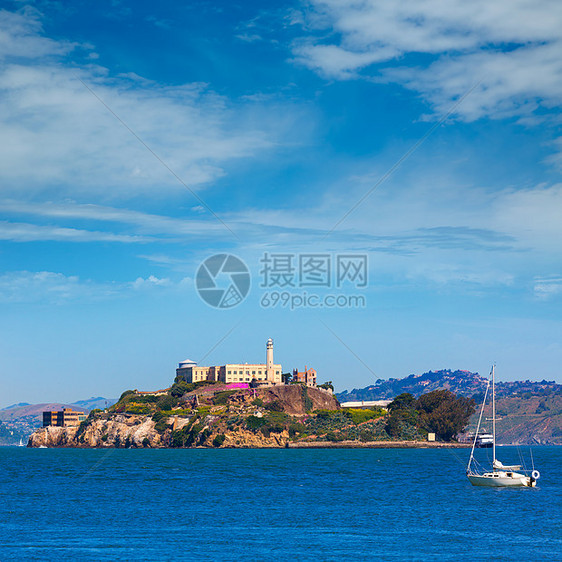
[514,481]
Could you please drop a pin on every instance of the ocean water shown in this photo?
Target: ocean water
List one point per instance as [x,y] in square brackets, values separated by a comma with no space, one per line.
[226,504]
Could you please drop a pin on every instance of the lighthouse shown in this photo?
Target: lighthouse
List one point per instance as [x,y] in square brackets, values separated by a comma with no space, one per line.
[269,360]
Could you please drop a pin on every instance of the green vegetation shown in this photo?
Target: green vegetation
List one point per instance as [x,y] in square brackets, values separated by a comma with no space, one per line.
[146,398]
[125,394]
[440,412]
[274,406]
[327,386]
[161,420]
[186,436]
[297,429]
[166,402]
[333,436]
[218,415]
[180,388]
[136,408]
[360,415]
[221,398]
[254,423]
[273,422]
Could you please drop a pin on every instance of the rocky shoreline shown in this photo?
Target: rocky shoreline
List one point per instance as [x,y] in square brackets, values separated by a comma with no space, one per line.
[376,445]
[139,432]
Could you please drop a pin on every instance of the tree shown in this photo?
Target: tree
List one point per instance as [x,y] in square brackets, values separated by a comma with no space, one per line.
[180,388]
[403,417]
[404,401]
[443,413]
[327,386]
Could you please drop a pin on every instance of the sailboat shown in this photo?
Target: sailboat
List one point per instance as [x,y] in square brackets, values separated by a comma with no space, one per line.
[500,475]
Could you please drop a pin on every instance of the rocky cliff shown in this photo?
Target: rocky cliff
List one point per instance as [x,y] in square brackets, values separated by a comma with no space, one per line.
[207,417]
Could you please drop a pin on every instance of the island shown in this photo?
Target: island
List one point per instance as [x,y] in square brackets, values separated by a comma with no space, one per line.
[236,415]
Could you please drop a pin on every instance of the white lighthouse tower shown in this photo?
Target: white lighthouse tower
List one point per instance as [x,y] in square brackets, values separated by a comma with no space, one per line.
[269,360]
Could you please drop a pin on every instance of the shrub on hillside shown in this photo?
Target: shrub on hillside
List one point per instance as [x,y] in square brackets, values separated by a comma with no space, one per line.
[332,436]
[221,398]
[166,402]
[125,394]
[274,406]
[296,428]
[134,408]
[359,415]
[180,388]
[254,423]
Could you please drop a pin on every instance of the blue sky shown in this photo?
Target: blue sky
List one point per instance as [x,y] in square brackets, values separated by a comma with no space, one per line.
[140,139]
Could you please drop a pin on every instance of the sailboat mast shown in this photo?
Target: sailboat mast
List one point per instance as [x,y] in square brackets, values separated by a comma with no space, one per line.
[494,411]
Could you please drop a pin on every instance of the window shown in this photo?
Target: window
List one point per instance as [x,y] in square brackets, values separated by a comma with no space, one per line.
[253,372]
[259,372]
[229,372]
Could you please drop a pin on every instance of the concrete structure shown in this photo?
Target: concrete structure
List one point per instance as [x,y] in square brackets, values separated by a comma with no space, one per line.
[263,373]
[366,404]
[63,418]
[308,376]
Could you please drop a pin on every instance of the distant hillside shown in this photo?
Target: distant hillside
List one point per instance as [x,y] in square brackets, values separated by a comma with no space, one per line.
[19,421]
[95,403]
[463,383]
[524,419]
[528,412]
[18,405]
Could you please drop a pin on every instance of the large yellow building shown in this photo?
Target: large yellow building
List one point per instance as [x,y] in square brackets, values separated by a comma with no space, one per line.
[233,372]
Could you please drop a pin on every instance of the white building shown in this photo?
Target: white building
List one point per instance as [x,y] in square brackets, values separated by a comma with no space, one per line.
[233,372]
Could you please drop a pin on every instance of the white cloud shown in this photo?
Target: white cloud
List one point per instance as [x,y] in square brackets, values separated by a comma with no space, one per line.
[511,46]
[47,286]
[20,36]
[144,223]
[58,288]
[24,232]
[141,283]
[546,288]
[56,135]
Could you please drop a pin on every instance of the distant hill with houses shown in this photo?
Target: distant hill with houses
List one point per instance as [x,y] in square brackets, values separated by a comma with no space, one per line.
[463,383]
[528,411]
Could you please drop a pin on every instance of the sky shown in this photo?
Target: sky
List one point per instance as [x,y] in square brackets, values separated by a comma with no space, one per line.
[389,174]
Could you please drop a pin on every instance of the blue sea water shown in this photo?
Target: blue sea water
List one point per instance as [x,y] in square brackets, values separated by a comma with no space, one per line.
[370,504]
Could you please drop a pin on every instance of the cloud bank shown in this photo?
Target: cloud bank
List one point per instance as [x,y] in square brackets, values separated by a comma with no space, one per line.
[511,48]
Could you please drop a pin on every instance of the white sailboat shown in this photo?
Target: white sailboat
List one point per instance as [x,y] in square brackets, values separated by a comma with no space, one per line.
[500,475]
